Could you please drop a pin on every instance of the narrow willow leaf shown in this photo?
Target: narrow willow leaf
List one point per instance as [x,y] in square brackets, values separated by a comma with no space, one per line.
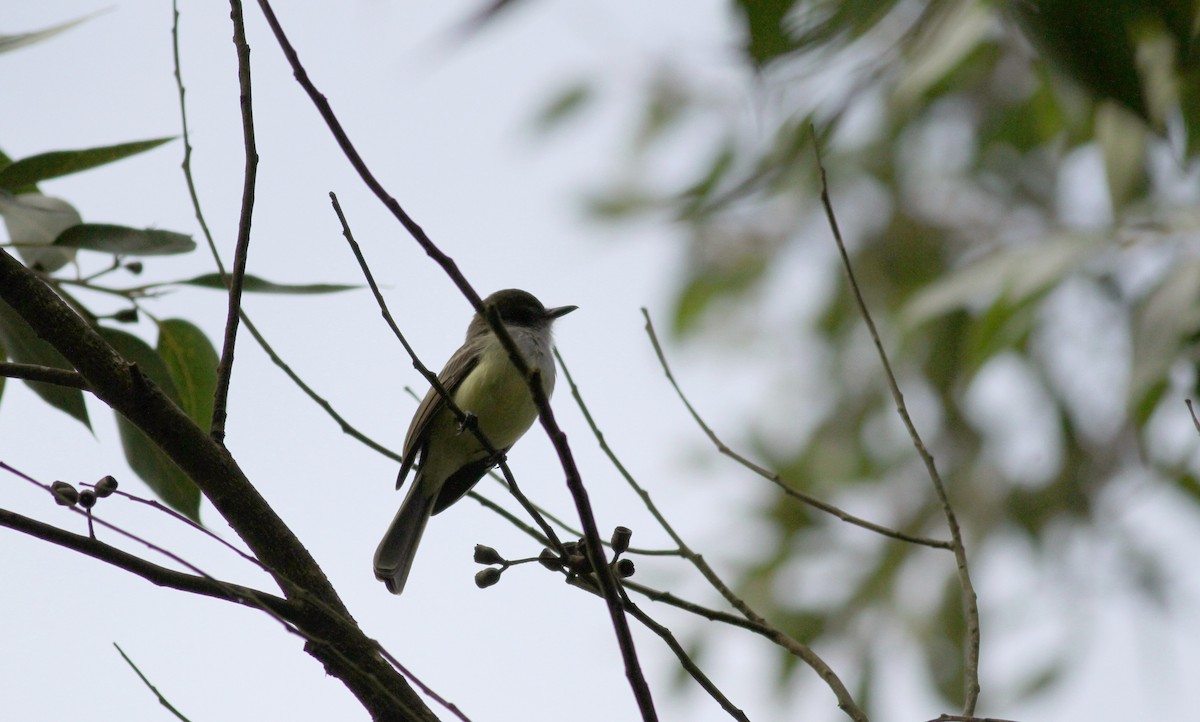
[766,32]
[1015,274]
[191,361]
[565,104]
[20,40]
[1165,324]
[162,475]
[260,285]
[35,168]
[24,346]
[124,240]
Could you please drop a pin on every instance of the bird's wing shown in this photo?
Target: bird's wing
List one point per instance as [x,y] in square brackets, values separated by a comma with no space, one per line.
[451,377]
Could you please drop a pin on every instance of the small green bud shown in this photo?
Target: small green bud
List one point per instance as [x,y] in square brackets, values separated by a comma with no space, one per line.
[134,267]
[87,498]
[64,493]
[487,555]
[485,578]
[126,315]
[106,486]
[620,539]
[624,568]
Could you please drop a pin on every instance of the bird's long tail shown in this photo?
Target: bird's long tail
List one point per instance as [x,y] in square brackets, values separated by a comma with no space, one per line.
[394,556]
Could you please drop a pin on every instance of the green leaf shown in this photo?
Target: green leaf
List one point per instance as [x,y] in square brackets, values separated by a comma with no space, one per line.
[27,171]
[260,285]
[24,346]
[699,193]
[124,240]
[191,361]
[1016,274]
[766,32]
[1122,138]
[620,202]
[1190,485]
[1164,321]
[1091,42]
[33,222]
[667,102]
[944,46]
[568,102]
[708,285]
[20,40]
[944,647]
[155,468]
[1003,326]
[1189,103]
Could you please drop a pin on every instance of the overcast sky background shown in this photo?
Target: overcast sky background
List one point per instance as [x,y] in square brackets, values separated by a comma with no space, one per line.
[446,126]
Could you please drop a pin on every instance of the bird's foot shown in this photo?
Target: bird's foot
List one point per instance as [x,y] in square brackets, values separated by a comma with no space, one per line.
[470,422]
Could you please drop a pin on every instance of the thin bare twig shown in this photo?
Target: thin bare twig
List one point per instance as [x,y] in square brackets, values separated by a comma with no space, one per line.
[346,427]
[161,699]
[685,660]
[186,164]
[43,374]
[967,718]
[796,647]
[154,504]
[1192,411]
[237,278]
[773,476]
[154,573]
[970,601]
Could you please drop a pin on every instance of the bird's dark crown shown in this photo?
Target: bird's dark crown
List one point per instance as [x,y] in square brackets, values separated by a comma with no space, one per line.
[521,308]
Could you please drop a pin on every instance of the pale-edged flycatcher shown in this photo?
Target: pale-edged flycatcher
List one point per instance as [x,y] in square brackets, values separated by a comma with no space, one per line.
[486,386]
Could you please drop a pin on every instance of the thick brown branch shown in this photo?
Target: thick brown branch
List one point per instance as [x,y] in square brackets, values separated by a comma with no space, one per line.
[151,572]
[350,656]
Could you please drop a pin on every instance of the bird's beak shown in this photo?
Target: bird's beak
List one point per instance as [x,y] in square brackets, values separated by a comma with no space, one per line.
[559,311]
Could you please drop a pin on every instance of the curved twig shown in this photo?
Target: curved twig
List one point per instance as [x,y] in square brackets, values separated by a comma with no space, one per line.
[970,601]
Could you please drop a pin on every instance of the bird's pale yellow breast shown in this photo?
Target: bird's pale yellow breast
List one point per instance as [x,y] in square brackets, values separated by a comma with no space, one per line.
[498,396]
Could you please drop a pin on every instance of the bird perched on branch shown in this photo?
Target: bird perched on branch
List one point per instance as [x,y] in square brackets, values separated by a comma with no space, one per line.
[485,385]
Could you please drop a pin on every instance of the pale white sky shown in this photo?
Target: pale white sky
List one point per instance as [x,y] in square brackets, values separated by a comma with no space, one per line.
[446,127]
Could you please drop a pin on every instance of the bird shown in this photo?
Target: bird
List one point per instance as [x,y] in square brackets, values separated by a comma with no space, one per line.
[495,397]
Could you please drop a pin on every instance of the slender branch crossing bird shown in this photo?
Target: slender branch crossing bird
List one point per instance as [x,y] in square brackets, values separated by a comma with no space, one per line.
[489,389]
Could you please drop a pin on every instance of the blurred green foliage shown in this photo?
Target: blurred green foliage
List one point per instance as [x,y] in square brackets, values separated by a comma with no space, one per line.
[1017,183]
